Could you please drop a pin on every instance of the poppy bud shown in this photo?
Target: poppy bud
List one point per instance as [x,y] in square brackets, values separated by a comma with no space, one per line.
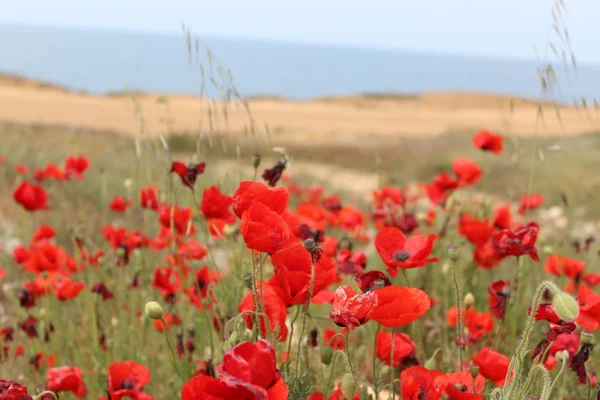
[548,250]
[474,370]
[469,300]
[326,355]
[248,280]
[229,230]
[565,306]
[348,386]
[562,355]
[310,245]
[384,371]
[433,363]
[256,160]
[445,268]
[153,310]
[453,253]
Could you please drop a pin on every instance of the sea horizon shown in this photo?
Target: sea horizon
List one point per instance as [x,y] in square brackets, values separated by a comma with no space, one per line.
[100,61]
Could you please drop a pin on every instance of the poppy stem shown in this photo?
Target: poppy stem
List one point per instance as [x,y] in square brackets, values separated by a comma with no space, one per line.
[349,359]
[303,327]
[458,313]
[392,370]
[165,330]
[374,362]
[256,327]
[45,393]
[289,347]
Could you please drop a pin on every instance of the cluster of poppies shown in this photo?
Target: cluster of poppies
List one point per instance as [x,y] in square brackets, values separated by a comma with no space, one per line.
[298,258]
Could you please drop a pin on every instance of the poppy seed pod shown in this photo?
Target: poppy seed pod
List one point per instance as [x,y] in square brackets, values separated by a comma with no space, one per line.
[474,370]
[453,253]
[310,245]
[587,338]
[326,355]
[566,306]
[256,160]
[153,310]
[348,386]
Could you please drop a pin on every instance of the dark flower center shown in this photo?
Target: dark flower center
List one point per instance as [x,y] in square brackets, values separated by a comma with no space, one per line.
[127,384]
[401,255]
[461,387]
[200,284]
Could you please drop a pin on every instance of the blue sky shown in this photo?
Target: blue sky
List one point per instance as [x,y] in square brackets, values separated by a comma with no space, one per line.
[507,28]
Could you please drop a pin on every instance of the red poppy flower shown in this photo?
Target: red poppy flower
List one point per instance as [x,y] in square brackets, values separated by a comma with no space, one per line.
[589,309]
[149,198]
[101,289]
[203,387]
[336,343]
[170,319]
[127,380]
[292,265]
[398,251]
[591,279]
[498,296]
[66,379]
[462,386]
[215,205]
[404,347]
[46,257]
[478,324]
[477,231]
[188,173]
[517,243]
[487,141]
[76,166]
[31,197]
[182,218]
[119,204]
[167,281]
[388,195]
[452,315]
[13,390]
[467,171]
[44,232]
[21,254]
[273,175]
[249,193]
[419,383]
[492,365]
[348,218]
[530,202]
[366,281]
[485,256]
[502,218]
[21,169]
[275,309]
[559,266]
[263,229]
[65,288]
[351,263]
[252,366]
[398,305]
[351,309]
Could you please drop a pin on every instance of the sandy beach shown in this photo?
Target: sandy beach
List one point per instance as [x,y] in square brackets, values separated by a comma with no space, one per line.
[30,102]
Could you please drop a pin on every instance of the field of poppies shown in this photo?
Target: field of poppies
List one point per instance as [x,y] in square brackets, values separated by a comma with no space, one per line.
[133,269]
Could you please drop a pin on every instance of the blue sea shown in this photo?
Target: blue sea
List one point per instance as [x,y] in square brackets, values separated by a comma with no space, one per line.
[102,61]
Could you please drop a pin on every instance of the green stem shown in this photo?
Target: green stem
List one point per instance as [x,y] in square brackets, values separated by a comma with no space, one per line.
[349,359]
[392,369]
[374,362]
[45,393]
[171,349]
[210,333]
[291,335]
[331,372]
[255,298]
[458,313]
[310,295]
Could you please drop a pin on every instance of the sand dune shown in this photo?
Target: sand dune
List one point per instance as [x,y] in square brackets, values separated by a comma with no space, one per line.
[26,101]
